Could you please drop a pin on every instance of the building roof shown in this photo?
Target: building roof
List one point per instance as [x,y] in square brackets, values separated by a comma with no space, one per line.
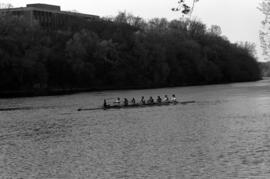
[48,8]
[45,6]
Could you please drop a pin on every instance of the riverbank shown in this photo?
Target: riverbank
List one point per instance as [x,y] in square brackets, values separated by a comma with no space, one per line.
[54,92]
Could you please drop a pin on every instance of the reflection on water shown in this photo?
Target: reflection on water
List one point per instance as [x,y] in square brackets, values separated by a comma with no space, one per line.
[225,134]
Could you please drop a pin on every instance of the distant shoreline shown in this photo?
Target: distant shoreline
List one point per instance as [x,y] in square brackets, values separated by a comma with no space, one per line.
[56,92]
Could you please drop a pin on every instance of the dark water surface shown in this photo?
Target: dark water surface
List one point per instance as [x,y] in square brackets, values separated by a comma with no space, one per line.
[225,134]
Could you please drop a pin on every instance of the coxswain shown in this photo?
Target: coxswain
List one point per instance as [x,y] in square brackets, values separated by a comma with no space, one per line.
[105,104]
[142,100]
[125,102]
[133,101]
[173,98]
[159,100]
[166,99]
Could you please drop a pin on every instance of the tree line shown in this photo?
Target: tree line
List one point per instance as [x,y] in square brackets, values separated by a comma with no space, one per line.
[265,68]
[116,53]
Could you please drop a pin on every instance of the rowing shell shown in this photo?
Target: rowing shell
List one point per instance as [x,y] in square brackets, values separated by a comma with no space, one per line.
[136,106]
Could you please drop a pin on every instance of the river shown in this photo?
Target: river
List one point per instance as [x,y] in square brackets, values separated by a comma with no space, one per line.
[225,134]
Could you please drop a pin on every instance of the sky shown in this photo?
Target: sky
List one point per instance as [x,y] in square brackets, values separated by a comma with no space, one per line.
[240,20]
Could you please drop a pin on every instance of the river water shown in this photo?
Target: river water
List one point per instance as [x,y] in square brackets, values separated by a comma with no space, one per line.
[225,134]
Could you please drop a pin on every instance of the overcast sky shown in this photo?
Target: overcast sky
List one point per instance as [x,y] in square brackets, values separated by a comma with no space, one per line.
[240,20]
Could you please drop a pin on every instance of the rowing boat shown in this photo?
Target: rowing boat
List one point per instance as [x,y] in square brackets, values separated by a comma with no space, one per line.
[137,105]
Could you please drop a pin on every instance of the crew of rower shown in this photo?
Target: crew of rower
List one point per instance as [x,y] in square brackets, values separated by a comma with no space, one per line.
[142,101]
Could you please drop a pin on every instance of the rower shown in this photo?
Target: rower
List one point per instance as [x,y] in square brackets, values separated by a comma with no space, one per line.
[150,100]
[142,100]
[125,102]
[173,98]
[133,101]
[117,101]
[159,100]
[166,99]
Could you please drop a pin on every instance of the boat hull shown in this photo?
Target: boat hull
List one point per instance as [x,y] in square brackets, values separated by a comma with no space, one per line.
[139,105]
[136,105]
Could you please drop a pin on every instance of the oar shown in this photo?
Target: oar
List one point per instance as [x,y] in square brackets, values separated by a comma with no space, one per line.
[89,109]
[99,108]
[15,108]
[187,102]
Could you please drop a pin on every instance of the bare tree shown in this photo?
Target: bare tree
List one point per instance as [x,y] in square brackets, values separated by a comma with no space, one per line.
[186,8]
[265,30]
[216,30]
[5,6]
[250,47]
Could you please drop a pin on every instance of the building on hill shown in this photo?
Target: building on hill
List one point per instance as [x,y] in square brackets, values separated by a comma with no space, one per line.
[48,16]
